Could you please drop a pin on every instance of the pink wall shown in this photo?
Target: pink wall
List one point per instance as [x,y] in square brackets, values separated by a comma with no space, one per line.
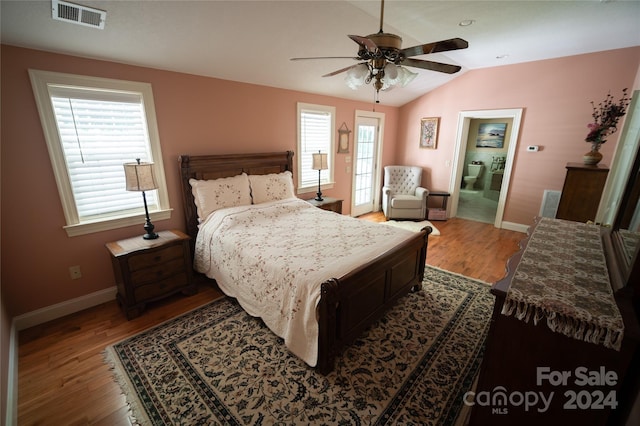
[555,96]
[196,115]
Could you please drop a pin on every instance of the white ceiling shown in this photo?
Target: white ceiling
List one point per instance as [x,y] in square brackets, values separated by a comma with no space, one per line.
[252,41]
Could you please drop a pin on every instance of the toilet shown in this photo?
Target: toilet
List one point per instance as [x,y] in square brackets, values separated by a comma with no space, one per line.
[474,173]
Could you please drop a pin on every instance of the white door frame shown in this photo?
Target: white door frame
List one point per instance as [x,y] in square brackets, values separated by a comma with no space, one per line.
[377,188]
[462,135]
[623,158]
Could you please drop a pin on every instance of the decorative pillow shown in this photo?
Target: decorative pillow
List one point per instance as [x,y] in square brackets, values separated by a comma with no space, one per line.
[212,195]
[272,187]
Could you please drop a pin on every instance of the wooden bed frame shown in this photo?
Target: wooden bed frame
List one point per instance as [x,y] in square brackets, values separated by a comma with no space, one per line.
[348,304]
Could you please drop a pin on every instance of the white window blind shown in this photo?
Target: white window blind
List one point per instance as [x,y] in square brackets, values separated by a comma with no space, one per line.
[97,138]
[316,128]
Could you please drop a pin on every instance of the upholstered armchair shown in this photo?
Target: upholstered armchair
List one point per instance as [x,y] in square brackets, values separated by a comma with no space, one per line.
[402,195]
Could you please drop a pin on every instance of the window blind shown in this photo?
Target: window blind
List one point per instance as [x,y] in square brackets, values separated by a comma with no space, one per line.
[315,135]
[98,137]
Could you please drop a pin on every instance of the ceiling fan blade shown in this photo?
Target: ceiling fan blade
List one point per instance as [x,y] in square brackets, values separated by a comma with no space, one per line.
[340,70]
[325,57]
[364,42]
[432,66]
[438,46]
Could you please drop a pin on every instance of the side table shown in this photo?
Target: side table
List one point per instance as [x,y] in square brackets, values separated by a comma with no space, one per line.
[148,270]
[328,203]
[438,213]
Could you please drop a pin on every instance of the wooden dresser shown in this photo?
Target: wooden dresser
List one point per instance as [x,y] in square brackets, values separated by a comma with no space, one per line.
[581,192]
[533,375]
[147,270]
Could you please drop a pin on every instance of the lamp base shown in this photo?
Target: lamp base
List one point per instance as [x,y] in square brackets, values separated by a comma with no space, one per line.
[148,226]
[319,196]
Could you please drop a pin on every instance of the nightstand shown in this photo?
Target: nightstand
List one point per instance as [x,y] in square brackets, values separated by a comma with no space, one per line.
[328,203]
[148,270]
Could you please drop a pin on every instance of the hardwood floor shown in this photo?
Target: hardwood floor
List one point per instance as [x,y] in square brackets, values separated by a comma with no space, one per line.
[474,249]
[62,378]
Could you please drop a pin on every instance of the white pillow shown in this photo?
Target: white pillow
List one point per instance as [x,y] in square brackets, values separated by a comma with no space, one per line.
[212,195]
[272,187]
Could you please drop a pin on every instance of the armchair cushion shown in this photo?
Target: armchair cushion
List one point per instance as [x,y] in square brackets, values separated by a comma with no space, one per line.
[406,202]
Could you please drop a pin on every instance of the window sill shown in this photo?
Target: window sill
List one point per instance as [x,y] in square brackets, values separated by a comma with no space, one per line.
[115,223]
[308,189]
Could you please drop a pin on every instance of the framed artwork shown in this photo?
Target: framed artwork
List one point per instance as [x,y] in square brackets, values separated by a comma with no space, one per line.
[491,135]
[429,132]
[343,139]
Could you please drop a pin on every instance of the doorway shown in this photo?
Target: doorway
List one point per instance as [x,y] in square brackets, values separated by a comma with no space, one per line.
[367,147]
[465,121]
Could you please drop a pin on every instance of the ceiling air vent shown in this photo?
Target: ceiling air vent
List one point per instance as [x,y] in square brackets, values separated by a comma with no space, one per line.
[78,14]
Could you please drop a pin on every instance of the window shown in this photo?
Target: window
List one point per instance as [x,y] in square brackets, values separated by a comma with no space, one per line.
[316,129]
[92,127]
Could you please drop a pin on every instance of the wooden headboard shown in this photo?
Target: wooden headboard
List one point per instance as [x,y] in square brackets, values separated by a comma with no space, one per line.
[206,167]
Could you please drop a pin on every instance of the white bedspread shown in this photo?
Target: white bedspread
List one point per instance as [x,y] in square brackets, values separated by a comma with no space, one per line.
[273,258]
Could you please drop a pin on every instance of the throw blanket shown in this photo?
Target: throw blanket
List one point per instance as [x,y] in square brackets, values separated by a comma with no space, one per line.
[563,277]
[273,257]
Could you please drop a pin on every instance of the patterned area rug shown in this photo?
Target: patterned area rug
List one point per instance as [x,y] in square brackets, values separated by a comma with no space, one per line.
[217,365]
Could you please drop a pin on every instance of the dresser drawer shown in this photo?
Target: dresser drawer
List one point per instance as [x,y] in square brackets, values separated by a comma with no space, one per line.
[158,257]
[157,272]
[159,288]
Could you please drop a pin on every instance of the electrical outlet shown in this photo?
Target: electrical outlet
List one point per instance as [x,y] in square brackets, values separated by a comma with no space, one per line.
[74,272]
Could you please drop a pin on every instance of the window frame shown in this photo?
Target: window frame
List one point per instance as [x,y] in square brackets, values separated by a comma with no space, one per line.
[331,157]
[41,82]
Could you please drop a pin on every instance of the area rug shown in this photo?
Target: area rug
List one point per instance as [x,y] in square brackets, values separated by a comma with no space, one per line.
[217,365]
[412,226]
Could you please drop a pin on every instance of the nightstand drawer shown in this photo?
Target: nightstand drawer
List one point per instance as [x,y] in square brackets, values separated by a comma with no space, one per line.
[160,287]
[156,273]
[158,257]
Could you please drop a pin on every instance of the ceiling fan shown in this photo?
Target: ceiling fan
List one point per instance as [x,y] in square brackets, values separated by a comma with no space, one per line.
[382,58]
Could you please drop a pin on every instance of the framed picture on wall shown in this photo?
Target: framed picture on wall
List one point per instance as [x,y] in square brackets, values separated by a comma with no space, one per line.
[429,132]
[491,135]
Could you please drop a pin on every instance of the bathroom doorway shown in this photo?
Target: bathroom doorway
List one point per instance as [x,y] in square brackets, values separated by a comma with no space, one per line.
[493,136]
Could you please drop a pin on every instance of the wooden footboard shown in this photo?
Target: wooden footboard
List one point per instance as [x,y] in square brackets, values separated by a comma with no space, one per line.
[350,304]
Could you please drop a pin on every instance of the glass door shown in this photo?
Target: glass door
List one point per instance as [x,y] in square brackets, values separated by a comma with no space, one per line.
[365,165]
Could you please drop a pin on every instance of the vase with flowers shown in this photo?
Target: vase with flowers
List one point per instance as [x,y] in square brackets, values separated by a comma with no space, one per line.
[605,122]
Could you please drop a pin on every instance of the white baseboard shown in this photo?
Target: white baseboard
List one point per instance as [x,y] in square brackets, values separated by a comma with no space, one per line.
[11,413]
[62,309]
[511,226]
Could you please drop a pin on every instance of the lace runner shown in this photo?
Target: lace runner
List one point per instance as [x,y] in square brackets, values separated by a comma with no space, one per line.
[563,277]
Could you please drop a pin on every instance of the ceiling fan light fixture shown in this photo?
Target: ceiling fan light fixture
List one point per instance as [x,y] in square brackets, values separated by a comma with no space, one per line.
[391,71]
[357,75]
[402,77]
[381,56]
[405,76]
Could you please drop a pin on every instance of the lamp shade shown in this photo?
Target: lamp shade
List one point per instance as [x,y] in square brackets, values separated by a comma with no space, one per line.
[140,176]
[320,161]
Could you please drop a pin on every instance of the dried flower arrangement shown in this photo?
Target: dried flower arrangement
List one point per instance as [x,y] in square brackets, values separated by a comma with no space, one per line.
[605,118]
